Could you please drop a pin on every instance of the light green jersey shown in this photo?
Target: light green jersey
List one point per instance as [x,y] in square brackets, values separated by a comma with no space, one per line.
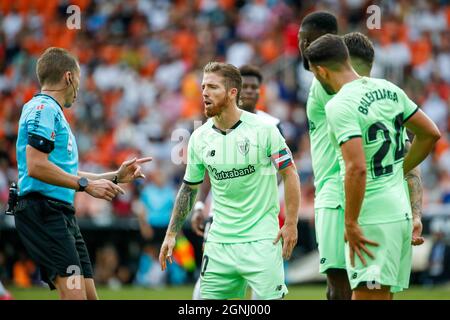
[329,193]
[240,164]
[375,110]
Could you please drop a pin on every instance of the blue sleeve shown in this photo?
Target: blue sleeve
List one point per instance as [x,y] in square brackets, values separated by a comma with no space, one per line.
[41,125]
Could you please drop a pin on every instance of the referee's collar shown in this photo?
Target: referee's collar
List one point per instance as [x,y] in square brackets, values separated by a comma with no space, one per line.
[46,95]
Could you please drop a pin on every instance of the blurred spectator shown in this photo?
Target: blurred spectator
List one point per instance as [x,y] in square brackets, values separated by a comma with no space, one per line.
[108,270]
[157,198]
[443,57]
[240,53]
[437,109]
[24,272]
[3,271]
[154,209]
[122,204]
[4,183]
[392,58]
[89,207]
[439,259]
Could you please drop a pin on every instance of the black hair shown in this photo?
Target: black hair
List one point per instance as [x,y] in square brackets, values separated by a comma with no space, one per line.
[251,71]
[328,50]
[322,21]
[359,46]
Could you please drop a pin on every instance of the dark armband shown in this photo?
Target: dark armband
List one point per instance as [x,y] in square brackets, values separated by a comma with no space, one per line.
[41,143]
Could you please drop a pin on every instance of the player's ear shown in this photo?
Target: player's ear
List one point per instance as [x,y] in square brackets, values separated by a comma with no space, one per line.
[233,92]
[323,72]
[68,77]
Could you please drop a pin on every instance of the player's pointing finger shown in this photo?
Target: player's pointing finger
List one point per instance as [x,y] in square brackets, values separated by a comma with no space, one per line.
[129,162]
[144,160]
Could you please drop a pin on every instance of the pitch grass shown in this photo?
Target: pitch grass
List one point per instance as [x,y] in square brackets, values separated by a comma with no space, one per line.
[296,292]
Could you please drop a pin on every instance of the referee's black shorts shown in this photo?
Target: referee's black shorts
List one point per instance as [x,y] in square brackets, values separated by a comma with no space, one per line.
[50,233]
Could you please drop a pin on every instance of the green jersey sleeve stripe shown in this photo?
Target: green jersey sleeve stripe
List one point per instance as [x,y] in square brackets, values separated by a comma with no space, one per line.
[349,138]
[413,113]
[192,183]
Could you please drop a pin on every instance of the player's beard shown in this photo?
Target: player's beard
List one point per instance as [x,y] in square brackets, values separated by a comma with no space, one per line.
[216,108]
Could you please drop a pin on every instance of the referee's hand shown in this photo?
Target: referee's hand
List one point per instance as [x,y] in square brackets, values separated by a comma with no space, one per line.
[103,189]
[131,169]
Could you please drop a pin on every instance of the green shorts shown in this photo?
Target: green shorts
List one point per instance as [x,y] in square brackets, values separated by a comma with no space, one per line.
[329,224]
[227,269]
[393,257]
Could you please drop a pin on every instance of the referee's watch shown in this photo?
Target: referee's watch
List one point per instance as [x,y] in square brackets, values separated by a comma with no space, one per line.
[82,183]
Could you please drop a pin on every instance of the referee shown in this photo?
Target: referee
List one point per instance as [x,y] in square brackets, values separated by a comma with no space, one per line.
[47,157]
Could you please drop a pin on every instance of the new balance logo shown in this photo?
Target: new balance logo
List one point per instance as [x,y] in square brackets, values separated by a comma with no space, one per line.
[312,126]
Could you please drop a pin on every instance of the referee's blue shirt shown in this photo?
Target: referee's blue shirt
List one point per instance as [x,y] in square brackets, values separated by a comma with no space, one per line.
[43,125]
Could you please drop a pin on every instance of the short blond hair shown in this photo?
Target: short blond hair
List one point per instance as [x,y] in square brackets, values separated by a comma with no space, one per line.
[230,74]
[52,65]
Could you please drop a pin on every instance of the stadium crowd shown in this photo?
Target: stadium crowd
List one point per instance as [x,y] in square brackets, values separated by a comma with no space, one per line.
[141,67]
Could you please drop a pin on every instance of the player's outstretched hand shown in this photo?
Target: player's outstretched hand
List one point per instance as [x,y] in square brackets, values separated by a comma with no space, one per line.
[417,238]
[289,234]
[131,169]
[103,189]
[357,243]
[165,253]
[198,222]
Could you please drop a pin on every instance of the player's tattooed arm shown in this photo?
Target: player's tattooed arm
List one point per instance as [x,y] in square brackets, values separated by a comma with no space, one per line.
[415,195]
[183,205]
[415,188]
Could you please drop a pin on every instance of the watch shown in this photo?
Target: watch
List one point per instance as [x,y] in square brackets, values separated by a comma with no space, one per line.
[82,183]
